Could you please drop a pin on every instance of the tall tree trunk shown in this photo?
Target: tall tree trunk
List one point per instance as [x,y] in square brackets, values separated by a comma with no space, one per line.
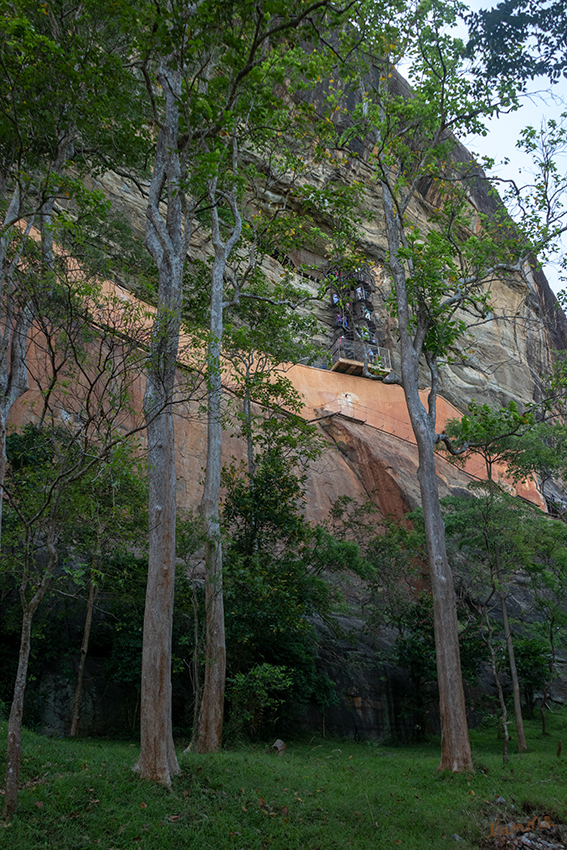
[168,242]
[76,711]
[14,750]
[15,324]
[521,738]
[455,746]
[14,747]
[16,311]
[196,662]
[209,735]
[158,760]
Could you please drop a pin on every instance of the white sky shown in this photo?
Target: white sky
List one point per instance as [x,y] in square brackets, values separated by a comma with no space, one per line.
[543,102]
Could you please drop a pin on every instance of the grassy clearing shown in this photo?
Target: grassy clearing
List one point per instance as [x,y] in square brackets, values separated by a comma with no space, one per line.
[320,795]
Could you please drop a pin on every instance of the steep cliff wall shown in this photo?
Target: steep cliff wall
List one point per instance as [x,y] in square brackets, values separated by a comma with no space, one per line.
[500,359]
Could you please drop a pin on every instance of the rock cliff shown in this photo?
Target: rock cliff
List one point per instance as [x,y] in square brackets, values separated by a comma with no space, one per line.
[501,359]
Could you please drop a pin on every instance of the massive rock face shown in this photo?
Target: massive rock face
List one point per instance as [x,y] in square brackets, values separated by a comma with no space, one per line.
[505,357]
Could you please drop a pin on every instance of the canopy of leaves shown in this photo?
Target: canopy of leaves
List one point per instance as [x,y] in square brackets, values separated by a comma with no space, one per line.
[520,39]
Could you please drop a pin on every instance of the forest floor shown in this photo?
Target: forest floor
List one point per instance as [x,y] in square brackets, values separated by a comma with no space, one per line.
[320,794]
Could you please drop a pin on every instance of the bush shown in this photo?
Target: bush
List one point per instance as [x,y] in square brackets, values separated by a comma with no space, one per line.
[255,698]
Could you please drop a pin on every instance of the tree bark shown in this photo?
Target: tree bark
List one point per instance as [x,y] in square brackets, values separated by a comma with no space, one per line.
[209,734]
[76,711]
[158,761]
[521,738]
[14,750]
[14,747]
[501,699]
[455,746]
[168,242]
[15,322]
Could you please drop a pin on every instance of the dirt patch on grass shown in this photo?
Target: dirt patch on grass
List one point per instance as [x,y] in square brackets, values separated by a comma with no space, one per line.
[527,830]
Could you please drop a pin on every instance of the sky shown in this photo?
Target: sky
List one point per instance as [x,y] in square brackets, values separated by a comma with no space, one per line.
[542,102]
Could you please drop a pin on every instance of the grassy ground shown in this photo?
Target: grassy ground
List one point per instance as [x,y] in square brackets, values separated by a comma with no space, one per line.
[320,795]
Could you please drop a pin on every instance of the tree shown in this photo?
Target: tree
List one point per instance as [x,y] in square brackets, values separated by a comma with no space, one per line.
[440,276]
[77,335]
[540,452]
[45,490]
[493,527]
[398,558]
[111,517]
[207,88]
[252,146]
[497,535]
[546,573]
[495,436]
[280,572]
[61,79]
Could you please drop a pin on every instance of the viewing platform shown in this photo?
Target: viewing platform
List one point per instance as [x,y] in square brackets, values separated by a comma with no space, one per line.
[349,356]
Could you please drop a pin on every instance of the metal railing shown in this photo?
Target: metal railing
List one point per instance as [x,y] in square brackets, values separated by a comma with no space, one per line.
[360,352]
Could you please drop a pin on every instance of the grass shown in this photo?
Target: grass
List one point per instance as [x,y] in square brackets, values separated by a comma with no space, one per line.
[320,795]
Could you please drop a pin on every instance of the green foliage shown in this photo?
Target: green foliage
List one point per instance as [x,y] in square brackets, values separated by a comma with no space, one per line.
[495,536]
[495,435]
[57,76]
[520,40]
[276,576]
[255,698]
[52,480]
[539,451]
[414,651]
[532,660]
[415,646]
[396,558]
[479,525]
[87,515]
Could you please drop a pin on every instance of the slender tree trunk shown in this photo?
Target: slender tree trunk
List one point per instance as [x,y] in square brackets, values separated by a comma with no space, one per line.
[455,746]
[14,751]
[168,242]
[209,735]
[14,329]
[196,663]
[16,313]
[501,699]
[549,682]
[158,760]
[76,712]
[522,746]
[14,747]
